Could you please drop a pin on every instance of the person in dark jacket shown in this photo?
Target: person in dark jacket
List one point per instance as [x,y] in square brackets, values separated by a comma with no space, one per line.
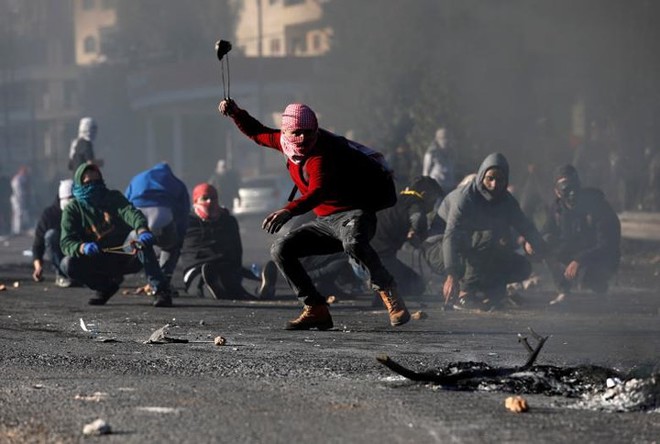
[47,236]
[407,221]
[477,257]
[584,235]
[163,199]
[327,178]
[102,233]
[212,249]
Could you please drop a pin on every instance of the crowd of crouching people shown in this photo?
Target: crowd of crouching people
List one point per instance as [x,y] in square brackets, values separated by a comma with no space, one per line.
[471,247]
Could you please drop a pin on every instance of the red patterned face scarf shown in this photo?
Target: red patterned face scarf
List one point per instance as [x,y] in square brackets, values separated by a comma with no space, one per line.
[205,201]
[301,119]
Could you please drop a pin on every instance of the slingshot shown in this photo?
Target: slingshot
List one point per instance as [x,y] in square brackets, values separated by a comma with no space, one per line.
[222,48]
[130,249]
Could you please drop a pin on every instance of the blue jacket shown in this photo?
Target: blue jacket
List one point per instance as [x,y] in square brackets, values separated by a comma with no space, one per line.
[159,187]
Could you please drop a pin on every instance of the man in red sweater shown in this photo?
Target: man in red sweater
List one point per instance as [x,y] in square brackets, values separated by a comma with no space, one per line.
[330,186]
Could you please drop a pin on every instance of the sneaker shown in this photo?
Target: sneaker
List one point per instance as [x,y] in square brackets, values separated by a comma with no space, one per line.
[396,308]
[268,280]
[313,316]
[102,296]
[163,298]
[471,302]
[62,281]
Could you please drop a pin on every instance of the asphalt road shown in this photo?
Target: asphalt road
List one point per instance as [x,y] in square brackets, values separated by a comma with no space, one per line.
[271,385]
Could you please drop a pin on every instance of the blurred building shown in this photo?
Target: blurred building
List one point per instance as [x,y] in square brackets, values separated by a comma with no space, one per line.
[38,87]
[95,22]
[281,28]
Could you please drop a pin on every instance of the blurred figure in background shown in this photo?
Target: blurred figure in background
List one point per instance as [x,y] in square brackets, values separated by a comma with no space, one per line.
[20,200]
[652,192]
[82,147]
[226,182]
[213,251]
[404,163]
[163,199]
[5,205]
[406,221]
[47,236]
[439,161]
[583,233]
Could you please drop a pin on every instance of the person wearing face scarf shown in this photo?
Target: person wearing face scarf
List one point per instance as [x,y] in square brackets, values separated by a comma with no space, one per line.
[94,225]
[330,185]
[477,257]
[584,236]
[47,236]
[212,250]
[82,147]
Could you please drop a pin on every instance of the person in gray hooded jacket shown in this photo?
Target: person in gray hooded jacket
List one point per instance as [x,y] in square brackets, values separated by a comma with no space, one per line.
[478,250]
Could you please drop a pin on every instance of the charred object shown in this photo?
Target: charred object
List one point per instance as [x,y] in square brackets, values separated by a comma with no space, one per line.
[525,379]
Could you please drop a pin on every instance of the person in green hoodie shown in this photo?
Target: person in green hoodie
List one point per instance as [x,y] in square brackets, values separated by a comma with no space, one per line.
[93,225]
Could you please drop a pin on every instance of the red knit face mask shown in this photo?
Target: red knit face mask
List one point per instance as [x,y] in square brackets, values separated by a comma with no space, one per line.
[205,202]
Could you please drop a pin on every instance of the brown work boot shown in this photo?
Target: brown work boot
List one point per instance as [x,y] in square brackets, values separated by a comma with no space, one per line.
[313,316]
[396,308]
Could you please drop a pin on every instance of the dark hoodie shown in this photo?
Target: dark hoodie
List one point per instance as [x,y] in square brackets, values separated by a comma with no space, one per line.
[589,232]
[50,219]
[476,220]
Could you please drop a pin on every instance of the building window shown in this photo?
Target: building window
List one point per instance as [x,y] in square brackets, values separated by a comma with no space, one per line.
[316,42]
[88,4]
[90,45]
[275,46]
[298,46]
[70,94]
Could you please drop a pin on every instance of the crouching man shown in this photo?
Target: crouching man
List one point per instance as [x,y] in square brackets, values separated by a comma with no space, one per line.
[330,177]
[478,254]
[584,236]
[94,228]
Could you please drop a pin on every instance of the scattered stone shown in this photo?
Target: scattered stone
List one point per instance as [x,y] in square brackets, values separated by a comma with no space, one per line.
[516,404]
[94,397]
[16,284]
[3,287]
[416,316]
[98,427]
[331,299]
[160,336]
[219,341]
[202,322]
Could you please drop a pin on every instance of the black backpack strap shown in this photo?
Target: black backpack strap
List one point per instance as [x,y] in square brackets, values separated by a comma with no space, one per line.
[294,190]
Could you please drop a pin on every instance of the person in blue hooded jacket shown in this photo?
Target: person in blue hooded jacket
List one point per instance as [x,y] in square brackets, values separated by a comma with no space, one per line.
[478,255]
[163,199]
